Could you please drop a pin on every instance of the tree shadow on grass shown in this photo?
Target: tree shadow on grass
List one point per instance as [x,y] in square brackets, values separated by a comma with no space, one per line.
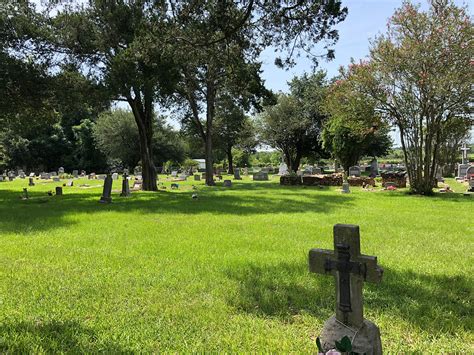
[42,212]
[52,337]
[434,303]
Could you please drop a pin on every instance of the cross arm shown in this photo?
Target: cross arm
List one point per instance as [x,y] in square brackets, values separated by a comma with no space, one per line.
[317,260]
[373,272]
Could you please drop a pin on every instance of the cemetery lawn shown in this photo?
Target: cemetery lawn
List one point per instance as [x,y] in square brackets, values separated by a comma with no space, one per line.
[227,271]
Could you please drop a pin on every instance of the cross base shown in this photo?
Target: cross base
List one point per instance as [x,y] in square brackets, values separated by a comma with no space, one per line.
[366,339]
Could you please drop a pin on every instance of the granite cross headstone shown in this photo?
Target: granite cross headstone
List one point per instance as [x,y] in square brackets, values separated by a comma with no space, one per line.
[350,269]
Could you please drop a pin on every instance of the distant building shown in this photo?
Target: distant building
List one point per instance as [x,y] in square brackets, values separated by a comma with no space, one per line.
[202,163]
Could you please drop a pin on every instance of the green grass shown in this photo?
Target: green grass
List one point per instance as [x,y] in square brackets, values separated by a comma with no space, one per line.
[226,272]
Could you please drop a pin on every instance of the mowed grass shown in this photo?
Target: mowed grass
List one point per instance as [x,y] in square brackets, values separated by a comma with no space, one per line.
[227,271]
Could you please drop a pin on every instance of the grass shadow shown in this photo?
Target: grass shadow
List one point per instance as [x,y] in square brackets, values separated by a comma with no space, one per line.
[52,337]
[42,212]
[434,303]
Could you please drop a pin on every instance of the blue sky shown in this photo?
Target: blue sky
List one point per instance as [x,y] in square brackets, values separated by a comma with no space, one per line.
[366,19]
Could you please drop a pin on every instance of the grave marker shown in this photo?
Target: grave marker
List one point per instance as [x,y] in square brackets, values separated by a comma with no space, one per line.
[59,190]
[125,186]
[227,183]
[354,171]
[350,269]
[237,174]
[106,192]
[31,182]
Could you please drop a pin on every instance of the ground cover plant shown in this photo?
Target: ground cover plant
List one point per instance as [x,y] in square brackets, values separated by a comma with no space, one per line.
[226,271]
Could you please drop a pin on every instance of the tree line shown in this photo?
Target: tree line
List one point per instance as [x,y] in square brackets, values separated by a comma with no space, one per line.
[63,65]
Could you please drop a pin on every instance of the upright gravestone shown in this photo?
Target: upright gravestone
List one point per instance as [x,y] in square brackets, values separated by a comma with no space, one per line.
[317,171]
[60,171]
[75,174]
[31,182]
[59,191]
[197,177]
[174,174]
[345,185]
[70,183]
[470,172]
[114,176]
[283,169]
[260,176]
[462,168]
[107,191]
[227,183]
[125,186]
[1,178]
[374,168]
[354,171]
[237,174]
[350,269]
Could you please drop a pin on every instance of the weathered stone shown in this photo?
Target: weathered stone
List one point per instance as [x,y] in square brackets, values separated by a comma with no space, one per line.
[350,269]
[237,174]
[125,186]
[354,171]
[59,190]
[227,183]
[365,340]
[197,177]
[260,176]
[107,191]
[31,182]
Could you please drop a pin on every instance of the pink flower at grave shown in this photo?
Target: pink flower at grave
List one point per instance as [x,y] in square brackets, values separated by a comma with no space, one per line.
[333,352]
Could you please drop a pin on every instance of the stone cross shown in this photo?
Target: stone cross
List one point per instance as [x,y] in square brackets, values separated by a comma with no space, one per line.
[464,150]
[350,269]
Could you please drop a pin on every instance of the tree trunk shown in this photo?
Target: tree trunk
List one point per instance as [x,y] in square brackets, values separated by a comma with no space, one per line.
[209,162]
[231,160]
[144,120]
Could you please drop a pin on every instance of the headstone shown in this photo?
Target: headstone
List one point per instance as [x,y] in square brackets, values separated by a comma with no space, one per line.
[11,177]
[246,171]
[125,186]
[75,173]
[174,186]
[227,183]
[59,190]
[308,171]
[374,168]
[283,169]
[462,170]
[56,179]
[237,174]
[439,174]
[354,171]
[317,171]
[1,178]
[61,170]
[197,177]
[183,177]
[25,194]
[350,269]
[470,172]
[32,175]
[102,177]
[260,176]
[174,173]
[53,173]
[70,183]
[464,149]
[21,174]
[106,192]
[31,182]
[114,176]
[91,176]
[345,185]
